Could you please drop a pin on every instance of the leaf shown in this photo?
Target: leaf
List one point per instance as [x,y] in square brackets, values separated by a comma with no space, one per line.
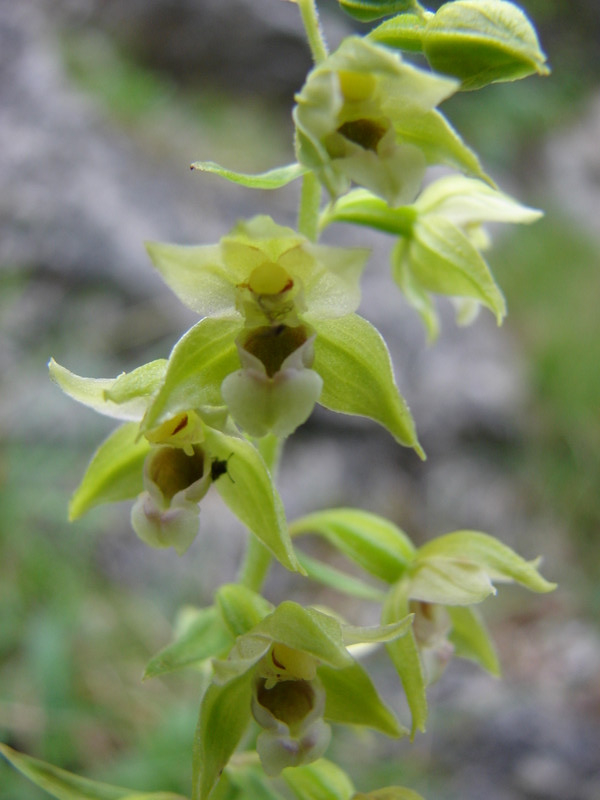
[224,716]
[64,785]
[482,42]
[338,580]
[353,700]
[96,393]
[499,561]
[272,179]
[374,543]
[404,32]
[114,473]
[241,608]
[249,492]
[204,636]
[405,656]
[321,780]
[196,368]
[354,362]
[390,793]
[367,10]
[471,639]
[442,259]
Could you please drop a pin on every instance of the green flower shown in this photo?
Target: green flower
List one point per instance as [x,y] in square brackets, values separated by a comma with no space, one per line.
[278,286]
[169,461]
[366,116]
[441,242]
[293,674]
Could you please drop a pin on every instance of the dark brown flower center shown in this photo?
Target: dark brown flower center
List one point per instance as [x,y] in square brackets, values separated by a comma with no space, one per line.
[273,344]
[172,470]
[288,701]
[365,132]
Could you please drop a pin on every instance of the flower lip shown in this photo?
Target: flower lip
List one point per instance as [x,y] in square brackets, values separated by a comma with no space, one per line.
[171,470]
[367,133]
[288,701]
[271,345]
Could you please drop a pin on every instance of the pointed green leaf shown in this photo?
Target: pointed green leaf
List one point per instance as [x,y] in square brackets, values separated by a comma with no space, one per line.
[114,473]
[241,608]
[405,656]
[64,785]
[196,368]
[482,42]
[354,362]
[204,636]
[499,561]
[442,259]
[404,32]
[353,700]
[308,630]
[321,780]
[272,179]
[96,392]
[367,10]
[374,543]
[338,580]
[375,634]
[250,493]
[224,716]
[471,639]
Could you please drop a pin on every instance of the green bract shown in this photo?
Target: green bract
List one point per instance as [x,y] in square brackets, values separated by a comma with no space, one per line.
[367,10]
[365,116]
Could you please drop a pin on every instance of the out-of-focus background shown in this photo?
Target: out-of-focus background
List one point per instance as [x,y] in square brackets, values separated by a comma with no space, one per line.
[103,105]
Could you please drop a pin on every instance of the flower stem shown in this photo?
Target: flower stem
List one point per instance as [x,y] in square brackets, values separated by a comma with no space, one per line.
[310,19]
[308,212]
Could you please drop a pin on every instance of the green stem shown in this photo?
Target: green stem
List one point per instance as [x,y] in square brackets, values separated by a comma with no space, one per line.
[257,560]
[310,202]
[314,34]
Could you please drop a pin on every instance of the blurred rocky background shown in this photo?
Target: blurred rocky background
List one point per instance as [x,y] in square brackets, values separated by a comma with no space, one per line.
[103,105]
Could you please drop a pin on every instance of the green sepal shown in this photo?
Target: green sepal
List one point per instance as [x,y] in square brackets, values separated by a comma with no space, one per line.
[482,42]
[272,179]
[404,32]
[471,639]
[449,581]
[321,780]
[376,634]
[361,207]
[114,473]
[64,785]
[405,656]
[201,634]
[224,716]
[308,630]
[241,608]
[439,142]
[499,561]
[372,542]
[418,297]
[141,383]
[336,579]
[353,360]
[442,259]
[249,492]
[368,10]
[97,393]
[353,700]
[197,365]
